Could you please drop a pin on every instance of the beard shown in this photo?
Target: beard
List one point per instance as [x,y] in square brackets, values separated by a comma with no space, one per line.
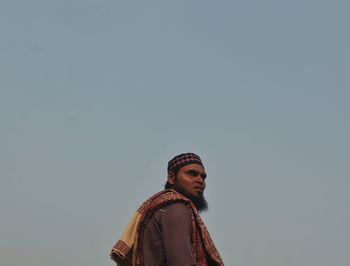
[199,201]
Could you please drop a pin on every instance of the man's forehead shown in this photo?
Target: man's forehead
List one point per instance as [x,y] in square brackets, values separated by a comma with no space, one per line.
[193,166]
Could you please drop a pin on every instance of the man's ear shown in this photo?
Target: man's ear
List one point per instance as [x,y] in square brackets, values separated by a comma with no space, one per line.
[171,178]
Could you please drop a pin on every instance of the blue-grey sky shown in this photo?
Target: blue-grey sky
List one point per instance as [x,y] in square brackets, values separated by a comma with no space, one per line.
[97,96]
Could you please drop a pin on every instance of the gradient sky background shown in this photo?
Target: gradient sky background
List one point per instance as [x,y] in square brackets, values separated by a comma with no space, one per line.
[97,96]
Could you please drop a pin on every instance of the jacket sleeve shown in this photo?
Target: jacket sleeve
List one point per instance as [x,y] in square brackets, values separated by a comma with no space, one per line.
[177,231]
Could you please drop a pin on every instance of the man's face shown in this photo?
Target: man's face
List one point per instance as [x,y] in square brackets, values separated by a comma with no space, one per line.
[190,179]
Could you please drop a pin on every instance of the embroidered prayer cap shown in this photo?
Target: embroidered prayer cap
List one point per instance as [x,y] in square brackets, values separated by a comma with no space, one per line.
[182,160]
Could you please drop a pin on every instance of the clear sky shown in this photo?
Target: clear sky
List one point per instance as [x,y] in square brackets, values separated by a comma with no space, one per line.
[97,96]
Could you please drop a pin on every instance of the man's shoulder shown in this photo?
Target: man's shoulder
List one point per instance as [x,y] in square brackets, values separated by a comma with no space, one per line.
[175,210]
[178,206]
[174,216]
[164,199]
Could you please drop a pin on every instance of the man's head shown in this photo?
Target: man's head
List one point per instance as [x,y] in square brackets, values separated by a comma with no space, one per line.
[186,174]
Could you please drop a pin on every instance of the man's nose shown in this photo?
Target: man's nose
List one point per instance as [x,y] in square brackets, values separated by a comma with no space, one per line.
[200,179]
[201,182]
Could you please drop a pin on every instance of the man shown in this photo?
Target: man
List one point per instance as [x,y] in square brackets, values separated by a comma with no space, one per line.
[167,229]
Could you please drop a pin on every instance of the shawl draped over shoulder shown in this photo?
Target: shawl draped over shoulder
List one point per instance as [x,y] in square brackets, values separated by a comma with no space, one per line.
[127,250]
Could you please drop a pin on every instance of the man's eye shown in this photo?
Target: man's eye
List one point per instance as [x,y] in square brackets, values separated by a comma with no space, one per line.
[192,173]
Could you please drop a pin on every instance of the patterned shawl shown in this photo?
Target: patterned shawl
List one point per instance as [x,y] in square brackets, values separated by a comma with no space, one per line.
[128,250]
